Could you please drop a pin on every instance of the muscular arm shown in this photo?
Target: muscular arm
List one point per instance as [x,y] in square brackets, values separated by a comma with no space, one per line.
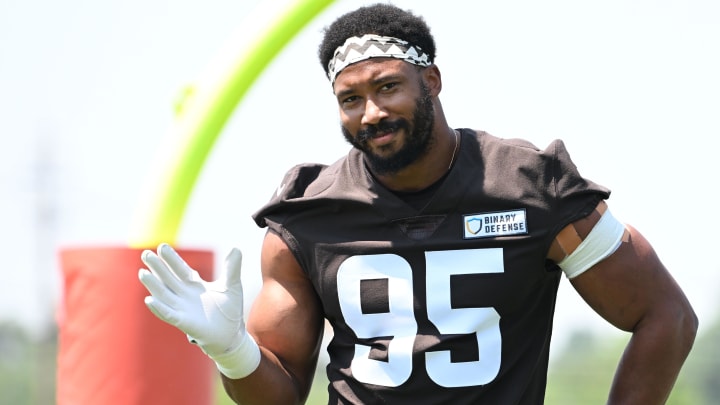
[633,290]
[286,322]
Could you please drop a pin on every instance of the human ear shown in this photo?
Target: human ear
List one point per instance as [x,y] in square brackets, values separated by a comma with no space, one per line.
[433,79]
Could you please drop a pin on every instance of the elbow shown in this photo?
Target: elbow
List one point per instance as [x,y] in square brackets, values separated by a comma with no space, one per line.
[689,325]
[674,323]
[682,323]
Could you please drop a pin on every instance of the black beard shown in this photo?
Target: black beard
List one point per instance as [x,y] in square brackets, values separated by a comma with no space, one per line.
[417,144]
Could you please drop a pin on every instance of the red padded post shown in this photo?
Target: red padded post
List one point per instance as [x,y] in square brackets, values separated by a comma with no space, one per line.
[112,349]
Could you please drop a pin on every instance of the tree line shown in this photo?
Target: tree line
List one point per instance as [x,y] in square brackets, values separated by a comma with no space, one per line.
[580,374]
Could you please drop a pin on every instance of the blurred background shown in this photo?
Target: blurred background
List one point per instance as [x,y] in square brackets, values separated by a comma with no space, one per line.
[88,88]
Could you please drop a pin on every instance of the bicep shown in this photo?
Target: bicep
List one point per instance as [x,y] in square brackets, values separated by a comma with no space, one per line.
[629,285]
[286,317]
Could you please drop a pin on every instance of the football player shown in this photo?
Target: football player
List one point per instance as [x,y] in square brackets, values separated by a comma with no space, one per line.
[434,253]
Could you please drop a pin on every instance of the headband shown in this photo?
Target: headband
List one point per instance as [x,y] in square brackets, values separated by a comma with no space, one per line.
[356,49]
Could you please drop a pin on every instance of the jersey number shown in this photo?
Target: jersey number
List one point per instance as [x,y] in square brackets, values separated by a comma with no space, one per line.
[400,325]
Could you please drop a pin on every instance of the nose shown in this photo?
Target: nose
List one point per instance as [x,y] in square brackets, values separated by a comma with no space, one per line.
[373,113]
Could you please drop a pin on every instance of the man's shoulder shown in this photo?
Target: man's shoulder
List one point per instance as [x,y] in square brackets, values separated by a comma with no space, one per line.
[312,179]
[509,150]
[310,184]
[489,140]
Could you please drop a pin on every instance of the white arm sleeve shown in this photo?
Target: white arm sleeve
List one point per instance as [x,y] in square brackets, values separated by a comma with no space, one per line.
[602,241]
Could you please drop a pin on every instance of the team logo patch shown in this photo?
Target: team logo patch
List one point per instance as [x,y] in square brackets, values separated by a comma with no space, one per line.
[491,224]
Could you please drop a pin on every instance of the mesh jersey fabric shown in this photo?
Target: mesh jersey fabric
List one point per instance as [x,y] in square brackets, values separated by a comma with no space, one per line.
[422,310]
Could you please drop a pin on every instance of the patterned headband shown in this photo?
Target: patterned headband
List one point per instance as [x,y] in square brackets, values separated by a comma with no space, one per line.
[356,49]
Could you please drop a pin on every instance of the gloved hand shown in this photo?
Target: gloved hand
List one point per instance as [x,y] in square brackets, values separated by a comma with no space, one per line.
[210,313]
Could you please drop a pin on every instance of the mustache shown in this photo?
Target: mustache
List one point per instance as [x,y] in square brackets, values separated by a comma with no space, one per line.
[370,131]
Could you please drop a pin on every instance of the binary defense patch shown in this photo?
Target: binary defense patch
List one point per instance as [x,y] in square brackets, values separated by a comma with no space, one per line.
[503,223]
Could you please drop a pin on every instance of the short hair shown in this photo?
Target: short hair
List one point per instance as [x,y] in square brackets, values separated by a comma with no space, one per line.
[379,19]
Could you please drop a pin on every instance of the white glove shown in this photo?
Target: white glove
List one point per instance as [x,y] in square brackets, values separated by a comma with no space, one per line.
[210,313]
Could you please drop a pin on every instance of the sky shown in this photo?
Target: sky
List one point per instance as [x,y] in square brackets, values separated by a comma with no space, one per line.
[87,91]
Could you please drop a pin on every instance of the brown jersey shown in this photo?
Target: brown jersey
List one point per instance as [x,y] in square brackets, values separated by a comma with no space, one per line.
[446,302]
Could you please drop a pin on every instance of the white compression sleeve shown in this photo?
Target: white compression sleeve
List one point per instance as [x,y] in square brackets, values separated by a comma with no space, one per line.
[601,242]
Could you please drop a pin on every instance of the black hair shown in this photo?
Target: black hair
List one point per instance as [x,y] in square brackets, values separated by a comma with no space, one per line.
[379,19]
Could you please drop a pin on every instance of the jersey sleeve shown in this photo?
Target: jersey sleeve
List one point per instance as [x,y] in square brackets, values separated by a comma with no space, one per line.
[292,187]
[568,182]
[575,197]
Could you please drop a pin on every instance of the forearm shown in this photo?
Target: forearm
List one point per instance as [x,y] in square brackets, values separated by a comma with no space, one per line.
[270,383]
[286,321]
[652,361]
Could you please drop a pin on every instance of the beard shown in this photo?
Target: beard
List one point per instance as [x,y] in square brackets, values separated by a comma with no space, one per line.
[417,143]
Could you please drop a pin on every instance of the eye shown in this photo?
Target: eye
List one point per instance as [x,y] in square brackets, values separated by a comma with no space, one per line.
[389,86]
[349,101]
